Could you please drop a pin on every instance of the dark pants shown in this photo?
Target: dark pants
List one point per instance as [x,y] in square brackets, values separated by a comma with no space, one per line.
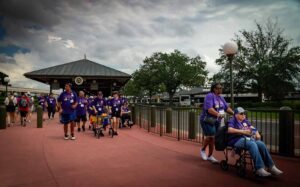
[125,117]
[51,110]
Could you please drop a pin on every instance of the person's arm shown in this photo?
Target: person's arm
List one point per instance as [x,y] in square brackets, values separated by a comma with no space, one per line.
[213,112]
[229,111]
[6,101]
[232,130]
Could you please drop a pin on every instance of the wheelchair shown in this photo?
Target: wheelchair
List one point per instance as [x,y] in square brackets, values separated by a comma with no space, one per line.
[244,159]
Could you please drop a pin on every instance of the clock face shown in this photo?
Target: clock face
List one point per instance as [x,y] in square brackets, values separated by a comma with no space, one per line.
[78,80]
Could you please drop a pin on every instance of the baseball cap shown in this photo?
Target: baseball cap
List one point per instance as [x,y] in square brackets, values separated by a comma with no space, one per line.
[239,110]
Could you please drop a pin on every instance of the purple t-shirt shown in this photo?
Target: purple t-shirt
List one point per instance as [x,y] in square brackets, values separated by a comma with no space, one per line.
[51,101]
[116,104]
[81,106]
[99,104]
[213,101]
[234,123]
[42,101]
[67,100]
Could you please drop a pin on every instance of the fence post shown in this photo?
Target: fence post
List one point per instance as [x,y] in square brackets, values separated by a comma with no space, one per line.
[286,131]
[153,116]
[192,124]
[169,120]
[160,122]
[140,116]
[133,117]
[3,117]
[178,125]
[39,116]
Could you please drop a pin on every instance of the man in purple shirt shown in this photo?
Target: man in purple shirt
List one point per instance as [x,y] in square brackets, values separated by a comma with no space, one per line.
[67,102]
[81,111]
[213,111]
[99,104]
[115,109]
[244,135]
[50,104]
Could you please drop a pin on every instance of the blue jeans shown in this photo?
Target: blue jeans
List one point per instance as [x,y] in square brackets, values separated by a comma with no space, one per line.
[258,151]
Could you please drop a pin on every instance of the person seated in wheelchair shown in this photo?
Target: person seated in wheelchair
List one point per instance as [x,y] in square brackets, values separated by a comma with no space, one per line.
[244,136]
[125,115]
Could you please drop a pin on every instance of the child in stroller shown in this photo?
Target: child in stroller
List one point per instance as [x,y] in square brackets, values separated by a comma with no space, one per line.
[126,116]
[100,123]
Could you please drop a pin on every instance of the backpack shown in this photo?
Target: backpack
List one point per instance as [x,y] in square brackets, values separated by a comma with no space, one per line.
[23,103]
[221,138]
[11,102]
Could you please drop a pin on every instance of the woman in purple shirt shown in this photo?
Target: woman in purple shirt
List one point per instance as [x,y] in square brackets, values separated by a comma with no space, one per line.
[81,111]
[244,135]
[213,111]
[51,105]
[115,109]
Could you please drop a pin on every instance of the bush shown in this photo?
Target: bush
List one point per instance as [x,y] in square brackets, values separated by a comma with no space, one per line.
[294,104]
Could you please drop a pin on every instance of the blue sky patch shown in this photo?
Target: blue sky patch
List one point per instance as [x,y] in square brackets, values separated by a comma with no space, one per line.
[10,50]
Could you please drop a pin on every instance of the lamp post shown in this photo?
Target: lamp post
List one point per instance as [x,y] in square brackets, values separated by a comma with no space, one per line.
[6,81]
[230,49]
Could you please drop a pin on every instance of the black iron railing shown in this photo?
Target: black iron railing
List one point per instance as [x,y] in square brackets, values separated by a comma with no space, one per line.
[280,128]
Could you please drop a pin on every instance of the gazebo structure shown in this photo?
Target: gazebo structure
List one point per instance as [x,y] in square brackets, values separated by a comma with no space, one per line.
[84,75]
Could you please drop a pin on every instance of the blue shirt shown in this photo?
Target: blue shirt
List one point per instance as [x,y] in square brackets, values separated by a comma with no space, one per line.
[116,104]
[213,101]
[99,104]
[234,123]
[51,101]
[81,106]
[67,100]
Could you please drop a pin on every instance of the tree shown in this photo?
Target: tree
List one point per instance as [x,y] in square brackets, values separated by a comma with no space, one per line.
[266,63]
[175,70]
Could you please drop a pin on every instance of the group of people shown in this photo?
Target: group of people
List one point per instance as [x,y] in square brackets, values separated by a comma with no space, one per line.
[73,109]
[19,105]
[241,133]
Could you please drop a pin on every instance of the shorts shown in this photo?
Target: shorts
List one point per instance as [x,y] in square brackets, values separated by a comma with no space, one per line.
[23,113]
[208,129]
[67,118]
[81,118]
[116,114]
[10,108]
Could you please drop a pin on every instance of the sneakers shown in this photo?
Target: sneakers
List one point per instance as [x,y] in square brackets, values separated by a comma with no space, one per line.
[115,133]
[212,159]
[262,173]
[66,137]
[73,137]
[275,171]
[203,154]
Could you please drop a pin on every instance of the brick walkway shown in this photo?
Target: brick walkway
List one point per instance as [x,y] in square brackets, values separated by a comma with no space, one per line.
[41,157]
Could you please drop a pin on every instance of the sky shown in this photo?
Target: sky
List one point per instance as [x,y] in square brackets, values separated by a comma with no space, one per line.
[37,34]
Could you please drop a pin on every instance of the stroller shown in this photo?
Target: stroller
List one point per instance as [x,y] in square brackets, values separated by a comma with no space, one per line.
[244,157]
[100,122]
[126,120]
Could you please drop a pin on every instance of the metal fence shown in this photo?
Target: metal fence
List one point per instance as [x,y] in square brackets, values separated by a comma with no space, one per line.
[280,129]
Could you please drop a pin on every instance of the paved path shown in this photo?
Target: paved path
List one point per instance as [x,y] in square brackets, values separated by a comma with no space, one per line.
[41,157]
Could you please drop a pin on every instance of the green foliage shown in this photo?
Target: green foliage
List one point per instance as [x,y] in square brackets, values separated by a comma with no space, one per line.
[266,63]
[168,72]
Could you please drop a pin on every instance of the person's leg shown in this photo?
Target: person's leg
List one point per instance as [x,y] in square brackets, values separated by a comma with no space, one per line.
[265,153]
[211,146]
[252,147]
[53,112]
[84,119]
[72,129]
[49,112]
[11,118]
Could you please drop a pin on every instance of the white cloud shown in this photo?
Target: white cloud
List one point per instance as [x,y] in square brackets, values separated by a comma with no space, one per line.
[120,34]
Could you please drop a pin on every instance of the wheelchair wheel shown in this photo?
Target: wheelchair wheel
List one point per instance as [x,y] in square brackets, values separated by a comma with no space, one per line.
[98,133]
[241,171]
[111,132]
[224,165]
